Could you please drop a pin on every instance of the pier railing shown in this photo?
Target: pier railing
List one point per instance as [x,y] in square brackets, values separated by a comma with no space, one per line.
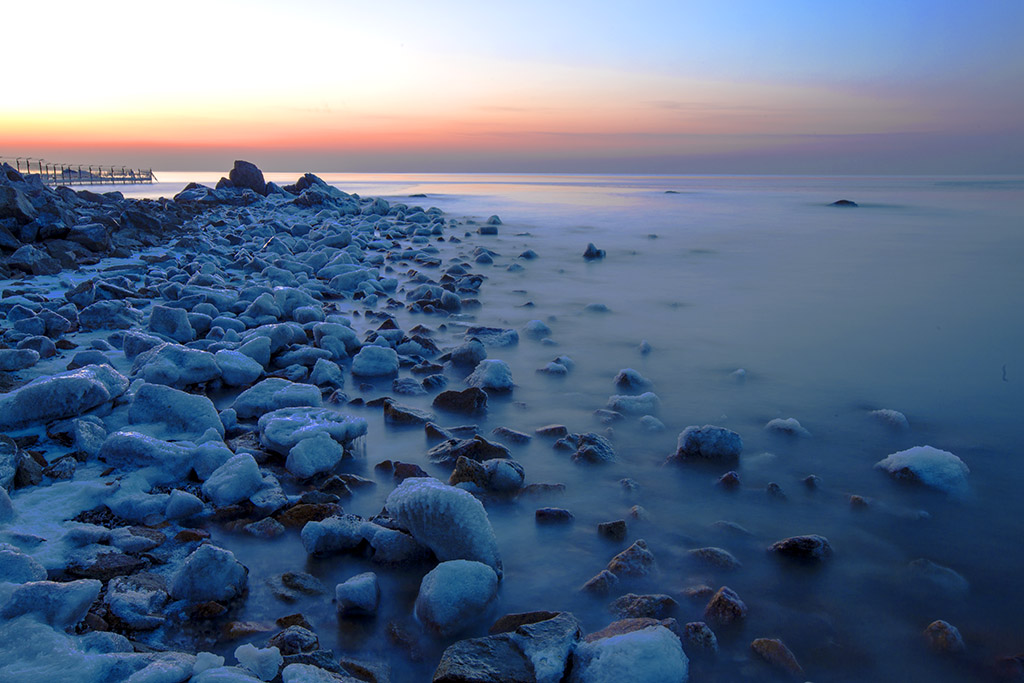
[80,174]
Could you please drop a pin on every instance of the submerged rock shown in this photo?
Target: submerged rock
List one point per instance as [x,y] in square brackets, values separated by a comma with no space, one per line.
[942,636]
[810,548]
[775,652]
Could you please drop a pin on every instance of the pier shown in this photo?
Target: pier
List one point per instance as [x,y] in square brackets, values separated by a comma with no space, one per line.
[80,174]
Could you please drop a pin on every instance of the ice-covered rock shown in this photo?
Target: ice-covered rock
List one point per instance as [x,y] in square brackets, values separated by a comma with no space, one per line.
[358,595]
[307,673]
[206,660]
[234,481]
[548,644]
[454,594]
[644,404]
[448,520]
[282,429]
[175,413]
[636,560]
[128,449]
[209,573]
[891,418]
[500,475]
[491,374]
[265,663]
[931,467]
[478,448]
[708,443]
[17,567]
[58,604]
[375,361]
[537,329]
[809,548]
[649,655]
[468,354]
[493,336]
[172,323]
[238,369]
[175,365]
[274,393]
[136,601]
[319,453]
[789,425]
[327,373]
[333,535]
[631,380]
[591,448]
[66,394]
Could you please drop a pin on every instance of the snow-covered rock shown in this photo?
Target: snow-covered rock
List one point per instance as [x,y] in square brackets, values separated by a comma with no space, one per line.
[448,520]
[175,414]
[333,535]
[548,645]
[136,601]
[644,404]
[491,374]
[631,380]
[66,394]
[238,369]
[175,365]
[375,361]
[708,443]
[358,595]
[454,594]
[274,393]
[650,655]
[58,604]
[929,466]
[263,663]
[891,418]
[134,450]
[209,573]
[282,429]
[234,481]
[17,567]
[789,425]
[319,453]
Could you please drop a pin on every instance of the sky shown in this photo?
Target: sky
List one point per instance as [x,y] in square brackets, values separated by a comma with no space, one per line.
[648,86]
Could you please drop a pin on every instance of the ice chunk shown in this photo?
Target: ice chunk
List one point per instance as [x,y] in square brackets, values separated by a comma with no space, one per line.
[133,450]
[234,481]
[264,663]
[448,520]
[209,573]
[331,535]
[929,466]
[650,655]
[206,660]
[454,593]
[491,374]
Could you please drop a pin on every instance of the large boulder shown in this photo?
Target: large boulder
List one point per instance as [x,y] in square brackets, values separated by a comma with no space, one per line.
[246,175]
[66,394]
[448,520]
[34,261]
[176,413]
[209,573]
[454,594]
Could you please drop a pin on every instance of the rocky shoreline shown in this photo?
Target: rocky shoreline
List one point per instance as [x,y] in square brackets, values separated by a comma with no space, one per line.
[197,379]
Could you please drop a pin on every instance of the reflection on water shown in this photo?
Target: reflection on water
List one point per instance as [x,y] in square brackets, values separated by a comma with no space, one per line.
[914,301]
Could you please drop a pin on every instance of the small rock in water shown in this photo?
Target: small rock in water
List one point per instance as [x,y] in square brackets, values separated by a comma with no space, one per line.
[775,491]
[592,252]
[812,481]
[844,202]
[493,375]
[553,516]
[725,607]
[788,426]
[645,347]
[931,467]
[715,557]
[775,652]
[729,481]
[708,443]
[811,548]
[358,595]
[471,401]
[942,636]
[615,531]
[553,431]
[699,639]
[602,584]
[632,606]
[891,418]
[631,380]
[636,560]
[453,594]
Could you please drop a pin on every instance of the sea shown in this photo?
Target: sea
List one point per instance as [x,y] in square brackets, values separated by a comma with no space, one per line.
[758,300]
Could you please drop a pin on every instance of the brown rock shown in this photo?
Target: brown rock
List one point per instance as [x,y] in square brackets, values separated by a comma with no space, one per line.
[636,560]
[725,607]
[631,605]
[298,515]
[775,652]
[297,619]
[810,548]
[191,535]
[698,638]
[207,610]
[233,630]
[294,640]
[108,565]
[622,626]
[942,636]
[602,584]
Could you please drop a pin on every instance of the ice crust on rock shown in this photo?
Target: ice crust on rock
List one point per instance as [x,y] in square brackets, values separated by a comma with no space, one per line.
[789,425]
[375,361]
[209,573]
[60,605]
[66,394]
[282,429]
[319,453]
[236,368]
[453,594]
[264,663]
[358,595]
[175,365]
[273,394]
[931,467]
[449,521]
[234,481]
[491,374]
[646,403]
[708,443]
[650,655]
[176,413]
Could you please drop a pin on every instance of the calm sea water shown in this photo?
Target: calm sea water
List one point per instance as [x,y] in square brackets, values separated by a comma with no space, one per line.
[913,301]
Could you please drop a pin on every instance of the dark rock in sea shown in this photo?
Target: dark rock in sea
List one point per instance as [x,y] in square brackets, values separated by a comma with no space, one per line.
[486,230]
[247,175]
[553,431]
[592,252]
[654,606]
[715,557]
[615,531]
[510,622]
[729,481]
[591,448]
[397,414]
[602,584]
[707,443]
[942,636]
[775,652]
[843,202]
[478,448]
[699,639]
[511,435]
[635,561]
[553,516]
[725,607]
[491,659]
[295,640]
[811,548]
[471,401]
